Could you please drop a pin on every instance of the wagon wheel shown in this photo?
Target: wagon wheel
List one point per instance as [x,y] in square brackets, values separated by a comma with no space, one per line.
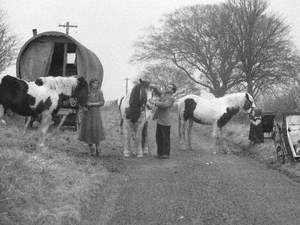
[280,152]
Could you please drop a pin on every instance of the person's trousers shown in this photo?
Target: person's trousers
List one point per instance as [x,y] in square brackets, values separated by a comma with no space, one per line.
[163,140]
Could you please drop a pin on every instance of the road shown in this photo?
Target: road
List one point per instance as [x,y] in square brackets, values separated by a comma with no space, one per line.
[199,187]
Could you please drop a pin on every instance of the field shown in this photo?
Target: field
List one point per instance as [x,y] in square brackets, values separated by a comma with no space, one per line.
[65,185]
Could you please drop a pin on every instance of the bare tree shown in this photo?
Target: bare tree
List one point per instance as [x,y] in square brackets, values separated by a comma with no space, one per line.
[197,41]
[265,52]
[7,44]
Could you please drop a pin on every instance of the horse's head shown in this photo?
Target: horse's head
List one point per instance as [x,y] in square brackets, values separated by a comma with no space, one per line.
[248,103]
[81,91]
[144,91]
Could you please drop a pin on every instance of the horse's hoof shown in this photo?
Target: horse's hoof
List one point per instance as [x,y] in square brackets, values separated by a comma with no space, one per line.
[3,122]
[146,151]
[126,154]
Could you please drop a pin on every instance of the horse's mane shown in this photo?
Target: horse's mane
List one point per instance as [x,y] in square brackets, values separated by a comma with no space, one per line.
[60,84]
[134,99]
[234,99]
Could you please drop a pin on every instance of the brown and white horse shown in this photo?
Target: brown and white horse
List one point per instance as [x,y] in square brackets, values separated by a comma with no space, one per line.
[210,111]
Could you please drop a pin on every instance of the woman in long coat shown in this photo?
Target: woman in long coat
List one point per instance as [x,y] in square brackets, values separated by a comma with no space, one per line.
[256,134]
[91,130]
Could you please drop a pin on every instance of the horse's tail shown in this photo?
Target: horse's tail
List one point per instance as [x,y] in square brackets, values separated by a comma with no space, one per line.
[144,133]
[179,124]
[121,116]
[189,107]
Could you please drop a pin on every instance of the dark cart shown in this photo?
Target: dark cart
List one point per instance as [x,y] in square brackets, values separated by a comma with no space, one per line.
[57,54]
[268,120]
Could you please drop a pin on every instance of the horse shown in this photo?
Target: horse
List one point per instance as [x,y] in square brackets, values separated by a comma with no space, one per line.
[29,99]
[135,111]
[211,111]
[72,88]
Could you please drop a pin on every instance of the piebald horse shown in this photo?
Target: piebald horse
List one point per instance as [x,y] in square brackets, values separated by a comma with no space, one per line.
[73,88]
[210,111]
[32,100]
[136,110]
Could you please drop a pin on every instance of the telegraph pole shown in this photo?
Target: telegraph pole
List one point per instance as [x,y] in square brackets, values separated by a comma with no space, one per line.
[126,79]
[67,26]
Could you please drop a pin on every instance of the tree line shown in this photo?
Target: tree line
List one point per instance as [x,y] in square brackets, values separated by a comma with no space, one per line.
[232,46]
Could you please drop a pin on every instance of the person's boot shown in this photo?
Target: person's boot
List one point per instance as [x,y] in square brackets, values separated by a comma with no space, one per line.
[91,149]
[97,150]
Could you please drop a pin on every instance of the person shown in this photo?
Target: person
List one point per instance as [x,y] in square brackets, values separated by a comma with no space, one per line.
[256,134]
[91,130]
[163,125]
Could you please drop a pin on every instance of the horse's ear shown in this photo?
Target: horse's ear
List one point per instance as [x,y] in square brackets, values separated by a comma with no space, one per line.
[141,81]
[249,97]
[81,79]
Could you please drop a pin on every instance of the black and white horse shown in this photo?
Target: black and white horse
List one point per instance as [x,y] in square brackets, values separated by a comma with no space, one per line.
[136,110]
[210,111]
[31,100]
[71,88]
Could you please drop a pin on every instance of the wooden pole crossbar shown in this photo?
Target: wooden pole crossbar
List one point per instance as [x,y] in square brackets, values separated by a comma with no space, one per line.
[67,26]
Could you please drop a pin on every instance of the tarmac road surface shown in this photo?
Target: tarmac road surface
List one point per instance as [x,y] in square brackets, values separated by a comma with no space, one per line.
[198,187]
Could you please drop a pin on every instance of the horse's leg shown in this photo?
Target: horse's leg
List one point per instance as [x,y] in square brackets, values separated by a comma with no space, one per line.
[179,128]
[183,133]
[189,141]
[145,139]
[138,141]
[121,126]
[2,114]
[46,119]
[216,136]
[127,138]
[60,124]
[223,146]
[28,119]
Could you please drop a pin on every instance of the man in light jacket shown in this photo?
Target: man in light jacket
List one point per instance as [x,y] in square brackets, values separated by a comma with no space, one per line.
[163,126]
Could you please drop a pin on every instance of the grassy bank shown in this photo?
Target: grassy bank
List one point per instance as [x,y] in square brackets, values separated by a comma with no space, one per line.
[56,185]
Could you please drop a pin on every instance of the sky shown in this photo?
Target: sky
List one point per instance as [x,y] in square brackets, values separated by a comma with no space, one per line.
[110,27]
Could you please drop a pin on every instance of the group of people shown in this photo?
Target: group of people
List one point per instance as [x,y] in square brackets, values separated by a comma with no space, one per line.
[92,130]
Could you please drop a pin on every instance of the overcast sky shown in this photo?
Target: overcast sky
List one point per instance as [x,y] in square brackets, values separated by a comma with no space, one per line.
[109,27]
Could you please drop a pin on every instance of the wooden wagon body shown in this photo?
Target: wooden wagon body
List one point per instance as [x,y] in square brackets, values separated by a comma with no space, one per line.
[55,53]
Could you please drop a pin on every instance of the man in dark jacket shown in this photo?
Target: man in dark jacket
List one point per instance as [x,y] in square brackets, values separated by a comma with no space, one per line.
[163,126]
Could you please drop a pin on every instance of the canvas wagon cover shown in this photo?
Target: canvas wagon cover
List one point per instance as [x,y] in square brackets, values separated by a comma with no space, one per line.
[36,55]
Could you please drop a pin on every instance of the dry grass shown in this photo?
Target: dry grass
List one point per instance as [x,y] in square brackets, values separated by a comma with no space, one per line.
[54,185]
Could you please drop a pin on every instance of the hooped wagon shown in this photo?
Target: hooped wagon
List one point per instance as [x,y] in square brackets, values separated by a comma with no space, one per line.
[54,53]
[285,134]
